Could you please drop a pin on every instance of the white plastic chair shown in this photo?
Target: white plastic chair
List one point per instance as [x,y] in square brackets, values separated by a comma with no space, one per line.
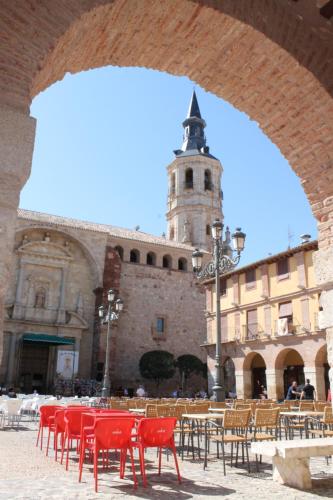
[12,411]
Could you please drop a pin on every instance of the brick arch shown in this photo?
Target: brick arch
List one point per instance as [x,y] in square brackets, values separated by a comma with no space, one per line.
[269,59]
[249,358]
[281,357]
[321,356]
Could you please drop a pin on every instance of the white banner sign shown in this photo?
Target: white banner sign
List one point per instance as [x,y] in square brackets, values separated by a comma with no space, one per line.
[67,364]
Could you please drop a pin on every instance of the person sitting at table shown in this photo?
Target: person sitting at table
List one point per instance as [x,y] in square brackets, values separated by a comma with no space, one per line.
[292,391]
[308,392]
[11,393]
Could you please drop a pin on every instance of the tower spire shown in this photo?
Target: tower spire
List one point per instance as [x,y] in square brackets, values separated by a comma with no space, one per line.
[194,110]
[194,140]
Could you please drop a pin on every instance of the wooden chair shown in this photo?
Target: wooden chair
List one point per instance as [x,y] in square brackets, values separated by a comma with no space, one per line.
[321,405]
[151,410]
[234,432]
[325,426]
[163,410]
[306,406]
[265,426]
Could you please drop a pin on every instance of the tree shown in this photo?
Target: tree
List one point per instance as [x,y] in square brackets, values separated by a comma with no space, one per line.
[157,366]
[188,364]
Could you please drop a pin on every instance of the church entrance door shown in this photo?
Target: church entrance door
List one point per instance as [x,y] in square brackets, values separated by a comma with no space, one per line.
[34,367]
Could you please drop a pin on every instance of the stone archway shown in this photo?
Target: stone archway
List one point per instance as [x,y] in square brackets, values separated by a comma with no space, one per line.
[319,374]
[291,366]
[269,59]
[255,368]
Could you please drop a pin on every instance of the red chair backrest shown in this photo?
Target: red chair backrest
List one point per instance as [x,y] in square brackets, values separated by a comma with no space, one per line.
[59,420]
[156,431]
[73,420]
[46,412]
[113,433]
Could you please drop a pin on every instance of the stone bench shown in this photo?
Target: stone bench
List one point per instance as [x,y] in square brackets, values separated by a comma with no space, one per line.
[291,459]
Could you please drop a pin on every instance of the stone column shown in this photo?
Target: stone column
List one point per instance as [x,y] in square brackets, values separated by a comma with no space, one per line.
[243,384]
[11,360]
[274,381]
[323,265]
[17,134]
[317,379]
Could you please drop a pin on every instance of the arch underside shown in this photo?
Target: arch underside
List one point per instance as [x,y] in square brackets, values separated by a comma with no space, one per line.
[269,59]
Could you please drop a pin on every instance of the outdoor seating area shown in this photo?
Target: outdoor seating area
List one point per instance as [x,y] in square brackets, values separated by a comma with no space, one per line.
[101,436]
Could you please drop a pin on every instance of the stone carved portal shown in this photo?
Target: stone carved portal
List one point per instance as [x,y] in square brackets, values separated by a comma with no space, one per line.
[41,281]
[51,292]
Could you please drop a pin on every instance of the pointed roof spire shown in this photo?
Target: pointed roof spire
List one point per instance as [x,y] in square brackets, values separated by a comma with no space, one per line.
[193,110]
[194,140]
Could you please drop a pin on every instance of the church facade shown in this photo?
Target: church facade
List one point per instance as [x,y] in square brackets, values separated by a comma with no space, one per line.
[63,268]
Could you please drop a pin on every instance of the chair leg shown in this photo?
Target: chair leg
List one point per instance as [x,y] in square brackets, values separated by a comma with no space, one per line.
[69,443]
[133,468]
[41,438]
[176,463]
[247,457]
[223,458]
[38,435]
[63,442]
[142,465]
[96,469]
[48,442]
[159,461]
[81,460]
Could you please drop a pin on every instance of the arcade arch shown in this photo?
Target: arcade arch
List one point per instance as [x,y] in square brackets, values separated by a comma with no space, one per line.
[292,363]
[275,67]
[256,365]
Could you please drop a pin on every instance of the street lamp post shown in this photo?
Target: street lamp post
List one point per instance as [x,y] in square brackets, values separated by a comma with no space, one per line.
[115,306]
[219,265]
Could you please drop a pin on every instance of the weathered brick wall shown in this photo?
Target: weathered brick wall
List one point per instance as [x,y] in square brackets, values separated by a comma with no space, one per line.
[149,292]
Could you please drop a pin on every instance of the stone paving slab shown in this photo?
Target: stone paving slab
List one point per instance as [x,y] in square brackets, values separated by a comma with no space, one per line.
[26,473]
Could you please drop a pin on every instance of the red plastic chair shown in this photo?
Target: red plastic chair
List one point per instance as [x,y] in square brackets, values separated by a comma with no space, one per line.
[87,431]
[46,412]
[156,433]
[72,420]
[57,426]
[114,433]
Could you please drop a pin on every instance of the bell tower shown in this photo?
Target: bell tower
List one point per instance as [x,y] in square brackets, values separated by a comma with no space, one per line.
[194,178]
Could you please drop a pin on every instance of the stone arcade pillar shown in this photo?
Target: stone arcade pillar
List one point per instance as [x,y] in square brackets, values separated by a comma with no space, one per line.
[243,384]
[323,264]
[274,381]
[317,379]
[17,135]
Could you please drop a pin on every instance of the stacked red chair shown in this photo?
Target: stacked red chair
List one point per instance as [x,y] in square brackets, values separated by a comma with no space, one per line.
[46,419]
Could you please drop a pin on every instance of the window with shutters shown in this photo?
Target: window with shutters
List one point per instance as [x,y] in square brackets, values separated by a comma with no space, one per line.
[250,279]
[282,269]
[223,287]
[252,324]
[224,328]
[285,322]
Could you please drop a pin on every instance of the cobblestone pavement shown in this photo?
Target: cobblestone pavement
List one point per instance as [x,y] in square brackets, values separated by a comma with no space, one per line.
[26,473]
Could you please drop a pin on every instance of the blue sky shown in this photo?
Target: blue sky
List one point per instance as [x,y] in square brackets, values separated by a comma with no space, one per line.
[104,139]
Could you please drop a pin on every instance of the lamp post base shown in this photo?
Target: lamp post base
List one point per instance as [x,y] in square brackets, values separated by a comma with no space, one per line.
[105,391]
[219,395]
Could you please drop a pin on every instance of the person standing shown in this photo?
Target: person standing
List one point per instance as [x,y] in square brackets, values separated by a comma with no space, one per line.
[308,392]
[292,391]
[140,392]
